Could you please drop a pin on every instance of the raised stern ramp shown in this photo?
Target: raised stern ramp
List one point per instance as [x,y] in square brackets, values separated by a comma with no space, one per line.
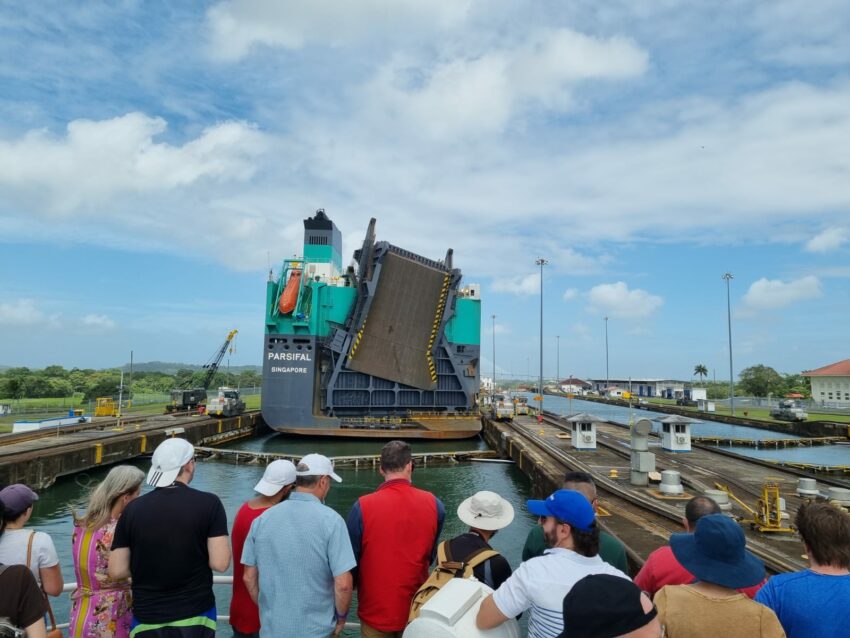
[398,334]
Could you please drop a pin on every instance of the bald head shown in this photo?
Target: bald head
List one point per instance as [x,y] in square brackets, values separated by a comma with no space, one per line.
[698,507]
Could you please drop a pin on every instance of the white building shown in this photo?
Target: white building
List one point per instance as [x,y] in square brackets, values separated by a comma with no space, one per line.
[831,384]
[644,387]
[574,386]
[583,434]
[486,384]
[676,433]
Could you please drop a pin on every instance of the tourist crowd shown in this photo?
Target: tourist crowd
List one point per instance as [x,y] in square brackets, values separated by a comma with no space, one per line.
[144,564]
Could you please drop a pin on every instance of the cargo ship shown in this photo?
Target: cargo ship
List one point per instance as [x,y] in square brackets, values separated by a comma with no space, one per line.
[386,348]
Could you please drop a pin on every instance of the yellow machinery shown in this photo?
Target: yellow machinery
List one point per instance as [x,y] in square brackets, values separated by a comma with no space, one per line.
[767,517]
[105,406]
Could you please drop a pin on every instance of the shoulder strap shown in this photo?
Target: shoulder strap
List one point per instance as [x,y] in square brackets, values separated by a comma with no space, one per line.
[479,557]
[29,549]
[444,554]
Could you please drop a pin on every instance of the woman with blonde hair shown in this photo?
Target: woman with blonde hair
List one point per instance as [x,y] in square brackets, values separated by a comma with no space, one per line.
[102,607]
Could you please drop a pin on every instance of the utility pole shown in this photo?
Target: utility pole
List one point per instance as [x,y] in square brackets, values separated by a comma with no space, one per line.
[541,262]
[607,380]
[728,277]
[493,391]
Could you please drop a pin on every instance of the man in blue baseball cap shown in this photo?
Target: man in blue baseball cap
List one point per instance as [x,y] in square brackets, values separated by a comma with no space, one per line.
[540,584]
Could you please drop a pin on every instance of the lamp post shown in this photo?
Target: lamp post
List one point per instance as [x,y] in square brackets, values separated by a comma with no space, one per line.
[728,277]
[493,391]
[607,381]
[541,262]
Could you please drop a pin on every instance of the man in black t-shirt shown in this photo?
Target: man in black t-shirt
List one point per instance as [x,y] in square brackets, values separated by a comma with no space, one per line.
[21,599]
[169,541]
[485,513]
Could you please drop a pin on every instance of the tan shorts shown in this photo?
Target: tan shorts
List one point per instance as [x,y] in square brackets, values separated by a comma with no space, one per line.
[370,632]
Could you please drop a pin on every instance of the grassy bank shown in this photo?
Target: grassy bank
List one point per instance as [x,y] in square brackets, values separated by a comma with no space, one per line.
[252,402]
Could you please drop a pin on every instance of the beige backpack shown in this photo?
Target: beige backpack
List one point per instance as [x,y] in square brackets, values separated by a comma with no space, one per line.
[446,569]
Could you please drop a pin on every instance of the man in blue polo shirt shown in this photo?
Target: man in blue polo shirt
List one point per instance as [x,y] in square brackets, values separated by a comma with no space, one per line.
[540,584]
[298,559]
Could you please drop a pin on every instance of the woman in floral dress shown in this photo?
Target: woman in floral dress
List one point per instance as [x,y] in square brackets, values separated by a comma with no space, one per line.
[102,608]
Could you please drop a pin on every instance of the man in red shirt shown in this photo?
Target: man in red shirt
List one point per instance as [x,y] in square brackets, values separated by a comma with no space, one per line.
[661,567]
[275,486]
[394,534]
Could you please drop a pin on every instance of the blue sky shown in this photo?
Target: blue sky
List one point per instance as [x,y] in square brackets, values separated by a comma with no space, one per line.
[153,156]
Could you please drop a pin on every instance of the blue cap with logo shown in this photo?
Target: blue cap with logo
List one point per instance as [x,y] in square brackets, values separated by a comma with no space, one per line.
[568,506]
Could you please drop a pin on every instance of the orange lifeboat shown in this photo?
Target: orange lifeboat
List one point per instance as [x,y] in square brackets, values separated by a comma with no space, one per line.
[289,296]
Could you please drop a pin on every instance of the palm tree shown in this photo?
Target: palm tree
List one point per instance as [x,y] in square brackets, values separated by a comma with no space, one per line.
[701,371]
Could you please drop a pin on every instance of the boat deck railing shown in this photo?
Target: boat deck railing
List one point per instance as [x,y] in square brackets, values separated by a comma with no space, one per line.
[217,580]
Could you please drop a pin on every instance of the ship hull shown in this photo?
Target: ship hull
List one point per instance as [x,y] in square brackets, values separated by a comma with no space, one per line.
[292,401]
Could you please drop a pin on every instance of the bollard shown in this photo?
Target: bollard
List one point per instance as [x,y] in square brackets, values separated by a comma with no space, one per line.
[807,488]
[839,495]
[671,483]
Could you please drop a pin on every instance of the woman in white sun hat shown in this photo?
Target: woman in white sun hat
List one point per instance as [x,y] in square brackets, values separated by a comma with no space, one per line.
[485,513]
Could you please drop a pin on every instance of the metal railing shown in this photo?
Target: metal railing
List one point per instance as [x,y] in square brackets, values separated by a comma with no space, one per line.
[68,588]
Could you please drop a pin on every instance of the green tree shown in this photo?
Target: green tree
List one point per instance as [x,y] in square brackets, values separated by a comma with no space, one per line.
[701,371]
[105,384]
[760,380]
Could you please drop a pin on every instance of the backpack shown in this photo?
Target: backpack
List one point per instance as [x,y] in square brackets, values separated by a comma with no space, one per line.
[446,569]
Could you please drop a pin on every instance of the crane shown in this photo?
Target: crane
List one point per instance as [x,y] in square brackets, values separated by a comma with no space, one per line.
[190,398]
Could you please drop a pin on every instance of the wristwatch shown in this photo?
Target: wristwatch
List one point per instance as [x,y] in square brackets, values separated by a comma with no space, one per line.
[338,616]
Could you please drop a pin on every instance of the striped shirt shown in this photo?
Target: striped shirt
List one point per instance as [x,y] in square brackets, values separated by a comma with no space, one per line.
[540,584]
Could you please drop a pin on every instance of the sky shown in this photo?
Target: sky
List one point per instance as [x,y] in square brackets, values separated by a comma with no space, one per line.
[156,158]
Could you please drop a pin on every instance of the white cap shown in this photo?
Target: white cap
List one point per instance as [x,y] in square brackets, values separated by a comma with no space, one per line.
[168,457]
[278,475]
[318,466]
[486,510]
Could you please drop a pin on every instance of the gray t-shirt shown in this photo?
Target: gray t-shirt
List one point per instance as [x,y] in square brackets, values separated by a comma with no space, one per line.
[298,547]
[13,550]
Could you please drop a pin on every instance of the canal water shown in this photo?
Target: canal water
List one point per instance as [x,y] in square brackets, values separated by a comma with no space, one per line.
[819,454]
[234,483]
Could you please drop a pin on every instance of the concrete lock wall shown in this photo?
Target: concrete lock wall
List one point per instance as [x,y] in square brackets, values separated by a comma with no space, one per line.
[50,463]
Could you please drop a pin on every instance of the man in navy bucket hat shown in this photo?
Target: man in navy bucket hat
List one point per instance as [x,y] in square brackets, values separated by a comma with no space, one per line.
[540,584]
[717,556]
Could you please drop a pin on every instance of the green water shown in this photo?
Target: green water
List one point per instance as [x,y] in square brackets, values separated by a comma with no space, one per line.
[234,483]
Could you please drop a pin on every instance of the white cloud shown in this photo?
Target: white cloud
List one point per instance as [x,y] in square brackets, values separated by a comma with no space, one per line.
[97,161]
[570,294]
[616,300]
[828,240]
[98,322]
[771,294]
[469,96]
[21,312]
[527,285]
[238,26]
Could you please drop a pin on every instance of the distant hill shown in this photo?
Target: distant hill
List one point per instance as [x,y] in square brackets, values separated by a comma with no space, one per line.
[169,367]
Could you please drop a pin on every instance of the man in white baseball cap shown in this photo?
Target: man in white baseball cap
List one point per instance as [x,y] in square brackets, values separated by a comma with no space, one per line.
[169,541]
[169,458]
[317,465]
[485,513]
[275,486]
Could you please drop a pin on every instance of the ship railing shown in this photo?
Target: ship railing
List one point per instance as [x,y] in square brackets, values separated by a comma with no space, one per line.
[217,580]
